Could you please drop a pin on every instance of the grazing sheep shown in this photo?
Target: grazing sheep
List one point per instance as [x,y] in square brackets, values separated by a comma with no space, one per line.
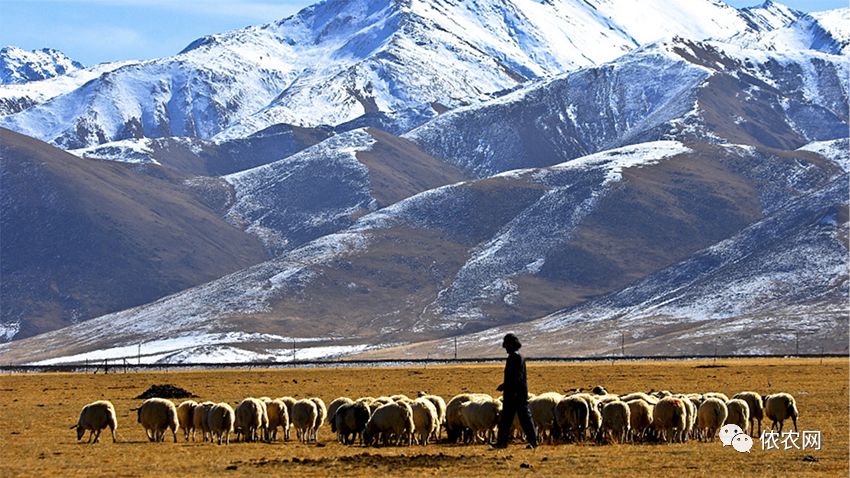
[350,421]
[400,397]
[720,396]
[425,419]
[571,416]
[251,419]
[305,414]
[156,415]
[289,401]
[543,414]
[739,414]
[320,419]
[186,418]
[594,418]
[616,421]
[690,417]
[393,421]
[599,390]
[780,407]
[756,405]
[669,418]
[640,418]
[440,406]
[380,401]
[639,396]
[454,421]
[94,417]
[332,408]
[199,420]
[710,417]
[481,418]
[278,417]
[220,419]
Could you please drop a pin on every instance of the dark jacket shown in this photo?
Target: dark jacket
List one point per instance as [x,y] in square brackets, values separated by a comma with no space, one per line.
[516,380]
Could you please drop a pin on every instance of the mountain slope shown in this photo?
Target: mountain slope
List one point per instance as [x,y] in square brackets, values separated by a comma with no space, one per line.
[467,256]
[21,66]
[82,238]
[340,59]
[778,280]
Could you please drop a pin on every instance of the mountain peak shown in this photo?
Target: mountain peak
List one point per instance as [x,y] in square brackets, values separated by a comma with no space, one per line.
[21,66]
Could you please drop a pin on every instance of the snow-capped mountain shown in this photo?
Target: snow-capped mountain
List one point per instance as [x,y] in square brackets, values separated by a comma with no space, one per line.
[22,66]
[341,59]
[681,89]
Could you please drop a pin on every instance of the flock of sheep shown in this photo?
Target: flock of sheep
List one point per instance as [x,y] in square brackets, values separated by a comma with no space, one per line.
[470,417]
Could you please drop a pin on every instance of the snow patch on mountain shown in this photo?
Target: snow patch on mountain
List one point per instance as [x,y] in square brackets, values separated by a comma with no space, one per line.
[837,151]
[137,151]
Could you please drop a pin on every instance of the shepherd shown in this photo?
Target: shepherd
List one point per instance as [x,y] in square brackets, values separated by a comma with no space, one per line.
[514,390]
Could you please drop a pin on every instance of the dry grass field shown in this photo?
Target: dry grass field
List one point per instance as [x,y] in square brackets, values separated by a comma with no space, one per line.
[38,409]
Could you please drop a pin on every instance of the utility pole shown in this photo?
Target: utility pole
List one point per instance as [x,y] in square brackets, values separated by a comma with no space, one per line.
[139,355]
[293,350]
[623,344]
[797,348]
[455,348]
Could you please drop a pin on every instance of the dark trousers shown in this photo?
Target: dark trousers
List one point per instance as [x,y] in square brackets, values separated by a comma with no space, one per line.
[506,422]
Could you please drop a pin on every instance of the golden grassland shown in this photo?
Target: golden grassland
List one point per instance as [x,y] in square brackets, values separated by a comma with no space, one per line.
[38,409]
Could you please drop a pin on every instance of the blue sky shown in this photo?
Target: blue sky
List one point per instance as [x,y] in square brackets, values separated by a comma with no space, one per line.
[94,31]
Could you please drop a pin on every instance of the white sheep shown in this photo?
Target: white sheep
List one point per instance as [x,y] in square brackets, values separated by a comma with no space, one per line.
[639,396]
[320,418]
[278,417]
[616,420]
[94,417]
[756,405]
[156,415]
[199,420]
[640,417]
[220,420]
[393,421]
[481,417]
[425,419]
[186,418]
[305,413]
[440,406]
[251,419]
[780,407]
[711,415]
[669,417]
[690,417]
[543,414]
[289,401]
[571,415]
[454,420]
[739,414]
[718,395]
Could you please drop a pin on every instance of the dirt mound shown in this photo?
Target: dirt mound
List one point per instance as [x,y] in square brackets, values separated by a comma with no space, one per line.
[165,391]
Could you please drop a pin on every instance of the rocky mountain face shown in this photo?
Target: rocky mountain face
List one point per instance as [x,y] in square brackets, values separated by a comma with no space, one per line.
[418,170]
